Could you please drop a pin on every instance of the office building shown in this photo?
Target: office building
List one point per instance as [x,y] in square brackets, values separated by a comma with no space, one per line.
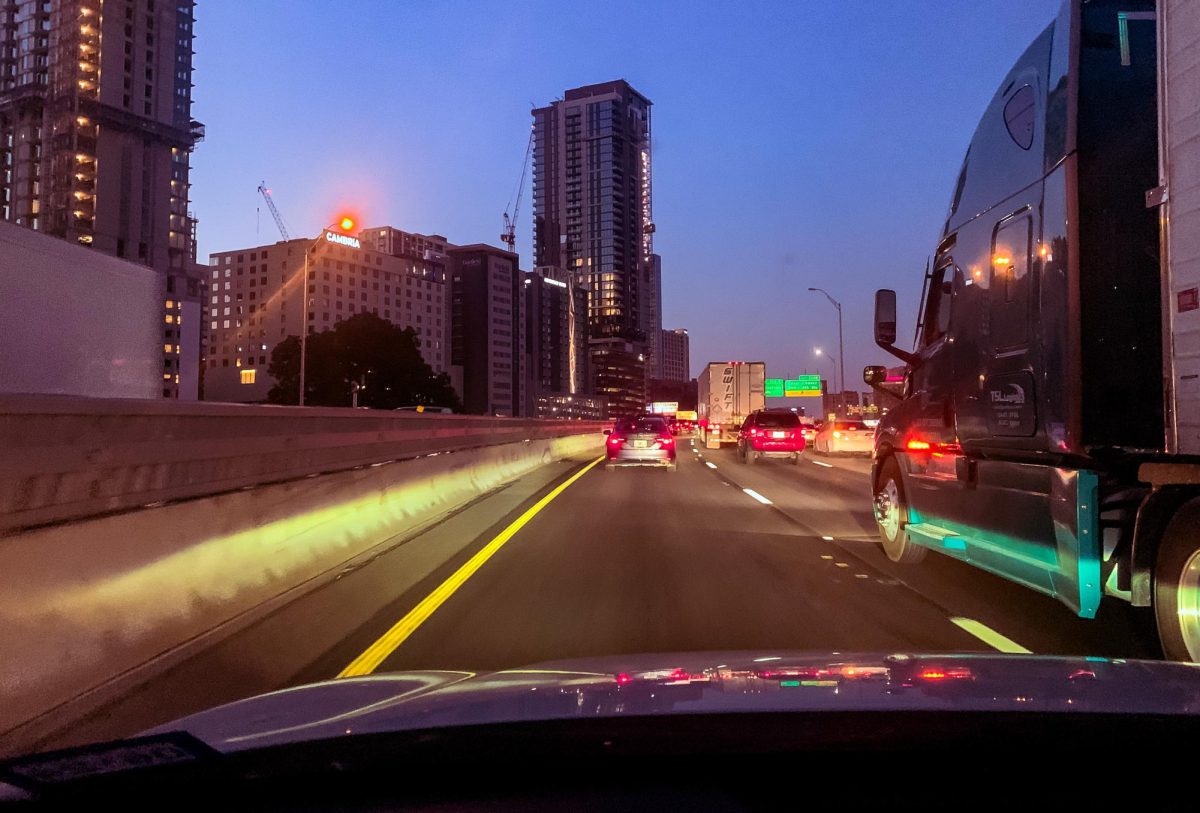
[487,330]
[394,241]
[571,407]
[652,317]
[556,345]
[676,364]
[593,217]
[95,136]
[256,301]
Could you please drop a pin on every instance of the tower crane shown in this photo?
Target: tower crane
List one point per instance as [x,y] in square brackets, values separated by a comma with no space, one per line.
[509,235]
[266,194]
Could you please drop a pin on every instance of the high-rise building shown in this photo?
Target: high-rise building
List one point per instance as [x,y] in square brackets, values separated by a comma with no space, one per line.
[676,355]
[487,330]
[255,302]
[652,317]
[555,338]
[593,217]
[95,136]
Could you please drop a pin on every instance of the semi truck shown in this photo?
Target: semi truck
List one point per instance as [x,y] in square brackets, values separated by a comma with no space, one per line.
[1049,423]
[728,391]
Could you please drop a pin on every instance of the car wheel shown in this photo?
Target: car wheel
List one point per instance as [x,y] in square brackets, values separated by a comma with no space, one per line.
[1177,585]
[796,459]
[891,514]
[674,467]
[742,456]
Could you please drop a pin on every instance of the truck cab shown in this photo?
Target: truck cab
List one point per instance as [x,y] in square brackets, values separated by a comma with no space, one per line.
[1033,411]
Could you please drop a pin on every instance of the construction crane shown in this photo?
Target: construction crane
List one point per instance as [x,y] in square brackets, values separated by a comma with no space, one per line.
[514,203]
[266,194]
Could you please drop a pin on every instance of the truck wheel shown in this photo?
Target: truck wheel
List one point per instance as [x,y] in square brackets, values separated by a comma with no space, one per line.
[752,456]
[1177,585]
[891,514]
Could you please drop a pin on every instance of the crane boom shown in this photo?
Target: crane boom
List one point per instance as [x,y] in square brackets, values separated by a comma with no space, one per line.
[266,194]
[509,235]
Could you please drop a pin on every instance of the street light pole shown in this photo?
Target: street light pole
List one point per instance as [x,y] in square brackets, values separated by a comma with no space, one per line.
[841,350]
[833,361]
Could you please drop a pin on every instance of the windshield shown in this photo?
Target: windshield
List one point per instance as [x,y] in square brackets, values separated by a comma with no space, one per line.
[772,420]
[327,353]
[646,424]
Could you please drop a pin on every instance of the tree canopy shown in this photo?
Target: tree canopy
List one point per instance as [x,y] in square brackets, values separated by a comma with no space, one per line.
[385,359]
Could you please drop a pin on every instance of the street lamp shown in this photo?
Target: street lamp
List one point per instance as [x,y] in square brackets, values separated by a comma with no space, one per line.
[346,224]
[841,349]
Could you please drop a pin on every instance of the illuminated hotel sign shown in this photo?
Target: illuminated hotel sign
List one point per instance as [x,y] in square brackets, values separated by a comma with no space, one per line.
[342,239]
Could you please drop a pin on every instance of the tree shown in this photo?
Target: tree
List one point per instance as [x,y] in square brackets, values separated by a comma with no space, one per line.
[383,358]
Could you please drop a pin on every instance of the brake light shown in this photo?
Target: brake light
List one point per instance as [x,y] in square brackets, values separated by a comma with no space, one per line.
[917,445]
[754,432]
[934,447]
[952,673]
[666,441]
[615,440]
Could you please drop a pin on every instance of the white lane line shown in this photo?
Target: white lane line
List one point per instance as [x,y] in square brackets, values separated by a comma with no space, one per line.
[990,637]
[756,495]
[826,557]
[861,576]
[710,464]
[841,564]
[827,538]
[819,463]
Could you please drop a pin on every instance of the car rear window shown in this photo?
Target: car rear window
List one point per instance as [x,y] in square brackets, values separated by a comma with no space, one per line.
[781,420]
[642,425]
[850,426]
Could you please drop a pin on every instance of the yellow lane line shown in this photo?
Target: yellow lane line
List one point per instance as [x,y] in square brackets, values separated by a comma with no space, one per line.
[376,653]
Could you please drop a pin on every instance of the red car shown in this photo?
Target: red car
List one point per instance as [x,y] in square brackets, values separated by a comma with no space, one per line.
[771,433]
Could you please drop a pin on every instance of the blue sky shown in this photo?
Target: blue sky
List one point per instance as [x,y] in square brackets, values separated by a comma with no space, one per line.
[795,144]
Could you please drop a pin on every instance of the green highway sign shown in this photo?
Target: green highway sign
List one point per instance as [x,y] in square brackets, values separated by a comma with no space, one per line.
[804,386]
[774,387]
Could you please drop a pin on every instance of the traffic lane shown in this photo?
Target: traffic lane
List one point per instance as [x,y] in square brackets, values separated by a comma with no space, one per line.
[836,503]
[829,501]
[641,560]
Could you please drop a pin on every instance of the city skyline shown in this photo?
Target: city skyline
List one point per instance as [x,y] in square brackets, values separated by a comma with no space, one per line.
[795,208]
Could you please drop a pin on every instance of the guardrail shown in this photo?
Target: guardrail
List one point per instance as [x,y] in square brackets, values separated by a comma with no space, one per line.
[64,458]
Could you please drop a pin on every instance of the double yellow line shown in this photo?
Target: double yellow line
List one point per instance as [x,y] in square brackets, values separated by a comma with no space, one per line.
[376,653]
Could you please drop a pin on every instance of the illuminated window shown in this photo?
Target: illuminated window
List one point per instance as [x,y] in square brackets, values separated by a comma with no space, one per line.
[167,348]
[248,376]
[170,304]
[170,319]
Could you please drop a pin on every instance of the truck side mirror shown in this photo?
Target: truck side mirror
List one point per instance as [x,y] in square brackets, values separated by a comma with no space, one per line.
[874,375]
[885,317]
[885,325]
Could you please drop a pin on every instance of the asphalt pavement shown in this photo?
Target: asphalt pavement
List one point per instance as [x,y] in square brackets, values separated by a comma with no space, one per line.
[579,561]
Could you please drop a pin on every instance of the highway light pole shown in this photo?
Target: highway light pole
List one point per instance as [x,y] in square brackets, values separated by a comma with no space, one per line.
[841,351]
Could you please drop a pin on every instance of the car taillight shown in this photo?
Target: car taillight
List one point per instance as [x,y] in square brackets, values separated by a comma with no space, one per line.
[753,432]
[666,441]
[615,440]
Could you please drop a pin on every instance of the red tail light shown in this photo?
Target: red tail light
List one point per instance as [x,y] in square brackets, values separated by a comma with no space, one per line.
[753,432]
[615,440]
[952,673]
[666,441]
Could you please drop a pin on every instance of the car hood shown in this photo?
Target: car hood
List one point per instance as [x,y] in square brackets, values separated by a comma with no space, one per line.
[703,683]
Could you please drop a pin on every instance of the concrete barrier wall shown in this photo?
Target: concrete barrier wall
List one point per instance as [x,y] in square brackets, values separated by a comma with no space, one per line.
[64,458]
[82,603]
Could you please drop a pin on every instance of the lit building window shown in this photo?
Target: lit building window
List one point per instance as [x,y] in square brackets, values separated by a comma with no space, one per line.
[167,348]
[170,319]
[248,376]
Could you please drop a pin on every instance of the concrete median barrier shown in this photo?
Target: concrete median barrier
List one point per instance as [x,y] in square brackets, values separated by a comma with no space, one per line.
[85,602]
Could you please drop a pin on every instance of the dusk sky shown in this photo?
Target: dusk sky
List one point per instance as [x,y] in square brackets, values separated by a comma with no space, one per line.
[795,144]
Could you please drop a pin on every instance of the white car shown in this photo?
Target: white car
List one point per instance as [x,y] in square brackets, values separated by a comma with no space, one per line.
[844,437]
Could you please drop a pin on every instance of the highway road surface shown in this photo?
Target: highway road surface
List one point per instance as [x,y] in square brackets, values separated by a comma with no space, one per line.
[579,561]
